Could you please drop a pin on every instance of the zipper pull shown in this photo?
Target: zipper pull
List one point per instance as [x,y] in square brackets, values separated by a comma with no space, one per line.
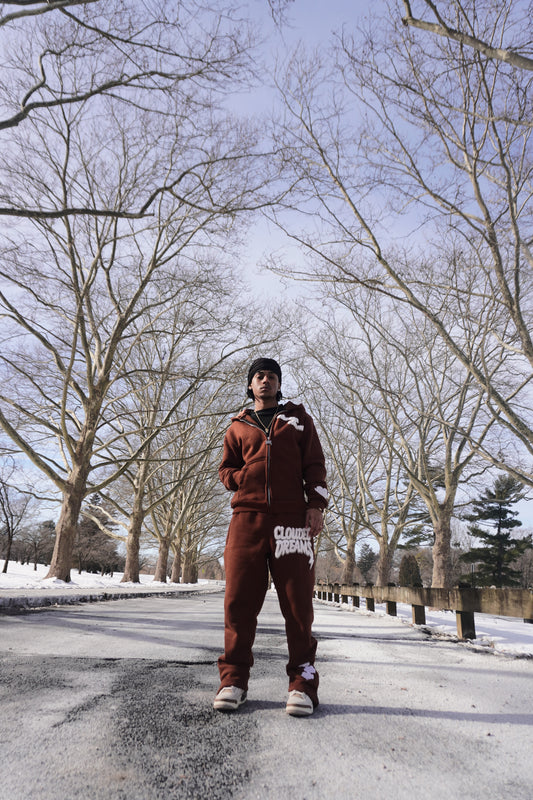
[269,440]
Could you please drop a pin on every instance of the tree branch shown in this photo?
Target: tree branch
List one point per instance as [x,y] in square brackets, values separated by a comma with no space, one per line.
[441,29]
[40,9]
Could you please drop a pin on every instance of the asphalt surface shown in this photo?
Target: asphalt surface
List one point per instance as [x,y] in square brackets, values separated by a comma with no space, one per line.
[114,700]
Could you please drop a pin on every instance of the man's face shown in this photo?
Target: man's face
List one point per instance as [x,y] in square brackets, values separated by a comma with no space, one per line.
[265,385]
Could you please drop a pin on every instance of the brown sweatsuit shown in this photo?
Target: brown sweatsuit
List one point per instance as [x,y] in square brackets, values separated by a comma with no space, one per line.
[275,479]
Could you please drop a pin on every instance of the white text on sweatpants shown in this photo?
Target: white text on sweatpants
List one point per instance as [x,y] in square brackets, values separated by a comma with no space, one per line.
[293,540]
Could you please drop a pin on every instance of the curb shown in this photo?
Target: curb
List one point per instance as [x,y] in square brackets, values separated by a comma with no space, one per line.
[22,602]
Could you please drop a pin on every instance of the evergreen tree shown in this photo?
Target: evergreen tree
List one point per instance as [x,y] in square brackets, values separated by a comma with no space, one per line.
[421,535]
[409,573]
[419,532]
[498,549]
[367,559]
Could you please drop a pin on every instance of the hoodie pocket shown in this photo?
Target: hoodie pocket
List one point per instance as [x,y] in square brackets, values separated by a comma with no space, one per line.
[251,481]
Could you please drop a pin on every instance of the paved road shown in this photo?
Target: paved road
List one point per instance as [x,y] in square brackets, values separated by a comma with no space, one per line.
[113,700]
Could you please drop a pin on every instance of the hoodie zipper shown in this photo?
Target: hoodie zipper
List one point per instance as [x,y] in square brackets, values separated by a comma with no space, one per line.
[269,445]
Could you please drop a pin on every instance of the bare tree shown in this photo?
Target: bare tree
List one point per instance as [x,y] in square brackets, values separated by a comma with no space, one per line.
[188,497]
[414,158]
[387,497]
[36,543]
[342,524]
[14,508]
[368,492]
[166,477]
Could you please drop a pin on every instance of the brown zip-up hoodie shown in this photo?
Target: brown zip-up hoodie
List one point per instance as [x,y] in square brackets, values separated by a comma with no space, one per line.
[280,473]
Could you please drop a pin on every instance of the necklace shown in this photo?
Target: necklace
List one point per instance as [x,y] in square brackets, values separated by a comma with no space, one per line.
[267,413]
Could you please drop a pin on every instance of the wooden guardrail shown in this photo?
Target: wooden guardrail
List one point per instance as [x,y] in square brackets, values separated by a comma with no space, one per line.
[465,602]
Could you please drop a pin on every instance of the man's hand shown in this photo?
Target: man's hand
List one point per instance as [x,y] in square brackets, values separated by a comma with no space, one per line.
[314,521]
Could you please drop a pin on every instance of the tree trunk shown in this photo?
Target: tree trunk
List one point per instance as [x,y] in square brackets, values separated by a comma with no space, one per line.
[190,567]
[73,497]
[162,561]
[8,553]
[349,563]
[442,561]
[176,567]
[176,563]
[384,563]
[131,567]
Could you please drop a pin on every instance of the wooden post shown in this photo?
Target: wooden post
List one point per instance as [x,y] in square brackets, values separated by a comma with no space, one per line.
[466,628]
[390,606]
[370,605]
[419,615]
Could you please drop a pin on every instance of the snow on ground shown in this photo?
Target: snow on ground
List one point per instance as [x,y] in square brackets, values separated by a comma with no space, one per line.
[23,576]
[506,635]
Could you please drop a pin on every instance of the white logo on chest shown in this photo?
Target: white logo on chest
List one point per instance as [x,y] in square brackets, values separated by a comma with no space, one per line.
[292,421]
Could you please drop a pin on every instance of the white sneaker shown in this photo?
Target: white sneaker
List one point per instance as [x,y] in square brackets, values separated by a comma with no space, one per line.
[229,698]
[299,704]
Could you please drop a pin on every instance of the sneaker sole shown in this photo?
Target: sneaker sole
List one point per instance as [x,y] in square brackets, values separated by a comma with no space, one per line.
[299,711]
[227,705]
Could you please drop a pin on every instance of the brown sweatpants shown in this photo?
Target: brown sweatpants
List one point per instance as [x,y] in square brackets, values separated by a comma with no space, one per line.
[256,543]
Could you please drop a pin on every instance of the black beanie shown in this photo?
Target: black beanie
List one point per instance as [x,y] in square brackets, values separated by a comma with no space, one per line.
[263,364]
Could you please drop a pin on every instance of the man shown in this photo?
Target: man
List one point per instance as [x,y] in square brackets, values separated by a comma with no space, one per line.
[274,464]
